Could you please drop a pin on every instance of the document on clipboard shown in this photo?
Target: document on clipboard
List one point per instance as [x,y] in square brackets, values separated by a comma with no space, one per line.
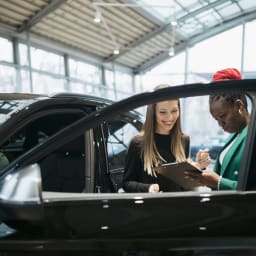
[175,172]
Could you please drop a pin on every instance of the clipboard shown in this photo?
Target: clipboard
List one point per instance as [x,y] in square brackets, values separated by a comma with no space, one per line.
[175,172]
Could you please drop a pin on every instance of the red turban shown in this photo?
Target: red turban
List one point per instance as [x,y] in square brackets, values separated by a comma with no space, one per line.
[227,74]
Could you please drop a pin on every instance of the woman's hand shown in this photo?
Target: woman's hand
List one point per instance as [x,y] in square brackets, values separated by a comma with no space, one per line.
[206,178]
[154,188]
[203,158]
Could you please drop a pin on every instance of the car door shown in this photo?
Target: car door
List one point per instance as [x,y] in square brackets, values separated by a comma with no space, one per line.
[194,217]
[39,121]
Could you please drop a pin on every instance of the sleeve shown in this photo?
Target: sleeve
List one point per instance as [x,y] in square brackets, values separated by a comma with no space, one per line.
[132,181]
[227,184]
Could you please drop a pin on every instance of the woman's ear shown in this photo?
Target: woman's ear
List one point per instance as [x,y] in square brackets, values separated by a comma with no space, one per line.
[239,105]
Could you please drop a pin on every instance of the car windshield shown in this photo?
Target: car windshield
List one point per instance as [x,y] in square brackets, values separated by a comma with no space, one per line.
[10,107]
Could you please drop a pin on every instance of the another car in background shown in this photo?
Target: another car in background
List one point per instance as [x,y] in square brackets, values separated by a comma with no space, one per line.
[29,120]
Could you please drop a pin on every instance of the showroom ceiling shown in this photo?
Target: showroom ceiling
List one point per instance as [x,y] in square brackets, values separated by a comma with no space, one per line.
[144,32]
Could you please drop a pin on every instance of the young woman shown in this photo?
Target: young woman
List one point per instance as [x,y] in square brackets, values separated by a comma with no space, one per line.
[230,111]
[161,140]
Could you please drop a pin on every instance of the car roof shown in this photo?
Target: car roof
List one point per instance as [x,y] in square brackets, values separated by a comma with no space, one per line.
[82,96]
[23,96]
[68,97]
[19,96]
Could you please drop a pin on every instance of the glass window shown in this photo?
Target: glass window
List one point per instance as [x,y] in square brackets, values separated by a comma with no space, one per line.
[46,84]
[109,94]
[25,82]
[42,60]
[6,50]
[170,72]
[250,49]
[120,135]
[77,87]
[221,51]
[7,79]
[84,71]
[124,82]
[23,50]
[101,91]
[138,83]
[109,75]
[210,135]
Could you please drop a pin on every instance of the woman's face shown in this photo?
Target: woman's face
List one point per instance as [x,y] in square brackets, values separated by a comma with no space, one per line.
[227,116]
[167,113]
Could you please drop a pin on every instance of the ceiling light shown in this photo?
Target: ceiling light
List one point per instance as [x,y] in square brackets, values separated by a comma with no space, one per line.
[116,51]
[174,23]
[97,18]
[171,51]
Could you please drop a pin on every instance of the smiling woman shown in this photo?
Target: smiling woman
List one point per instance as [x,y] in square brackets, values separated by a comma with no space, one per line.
[161,140]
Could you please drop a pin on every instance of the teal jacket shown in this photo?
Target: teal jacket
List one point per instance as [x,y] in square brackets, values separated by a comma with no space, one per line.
[232,161]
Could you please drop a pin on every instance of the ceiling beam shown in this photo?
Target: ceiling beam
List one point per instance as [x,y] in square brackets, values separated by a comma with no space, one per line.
[161,29]
[137,42]
[224,26]
[198,38]
[158,59]
[52,6]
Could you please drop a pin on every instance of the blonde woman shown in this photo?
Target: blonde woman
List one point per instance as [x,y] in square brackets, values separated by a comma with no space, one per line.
[161,140]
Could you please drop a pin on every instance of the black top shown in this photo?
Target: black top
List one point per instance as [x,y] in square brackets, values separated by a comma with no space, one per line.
[136,179]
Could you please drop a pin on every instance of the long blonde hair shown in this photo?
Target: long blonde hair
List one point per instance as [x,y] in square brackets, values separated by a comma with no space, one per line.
[149,152]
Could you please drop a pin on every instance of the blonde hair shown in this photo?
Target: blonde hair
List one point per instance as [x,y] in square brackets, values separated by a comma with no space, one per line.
[149,153]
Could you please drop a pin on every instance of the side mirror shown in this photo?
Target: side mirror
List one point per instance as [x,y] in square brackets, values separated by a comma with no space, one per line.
[23,185]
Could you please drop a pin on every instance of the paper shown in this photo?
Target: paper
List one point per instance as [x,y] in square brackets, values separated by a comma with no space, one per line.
[175,172]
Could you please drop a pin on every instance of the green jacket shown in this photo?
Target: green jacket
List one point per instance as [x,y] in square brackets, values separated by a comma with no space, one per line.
[232,161]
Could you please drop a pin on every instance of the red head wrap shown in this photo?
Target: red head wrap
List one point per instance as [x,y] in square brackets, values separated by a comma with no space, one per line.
[227,74]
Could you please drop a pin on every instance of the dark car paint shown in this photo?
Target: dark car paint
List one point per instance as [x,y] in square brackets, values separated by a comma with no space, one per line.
[213,226]
[142,221]
[126,217]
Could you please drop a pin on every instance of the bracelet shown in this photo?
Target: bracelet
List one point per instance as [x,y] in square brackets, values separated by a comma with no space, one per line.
[219,180]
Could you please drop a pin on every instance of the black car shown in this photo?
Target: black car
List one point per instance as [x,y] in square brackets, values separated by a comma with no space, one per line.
[60,187]
[29,120]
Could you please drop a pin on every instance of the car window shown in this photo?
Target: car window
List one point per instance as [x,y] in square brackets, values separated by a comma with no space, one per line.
[57,167]
[120,134]
[33,133]
[204,131]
